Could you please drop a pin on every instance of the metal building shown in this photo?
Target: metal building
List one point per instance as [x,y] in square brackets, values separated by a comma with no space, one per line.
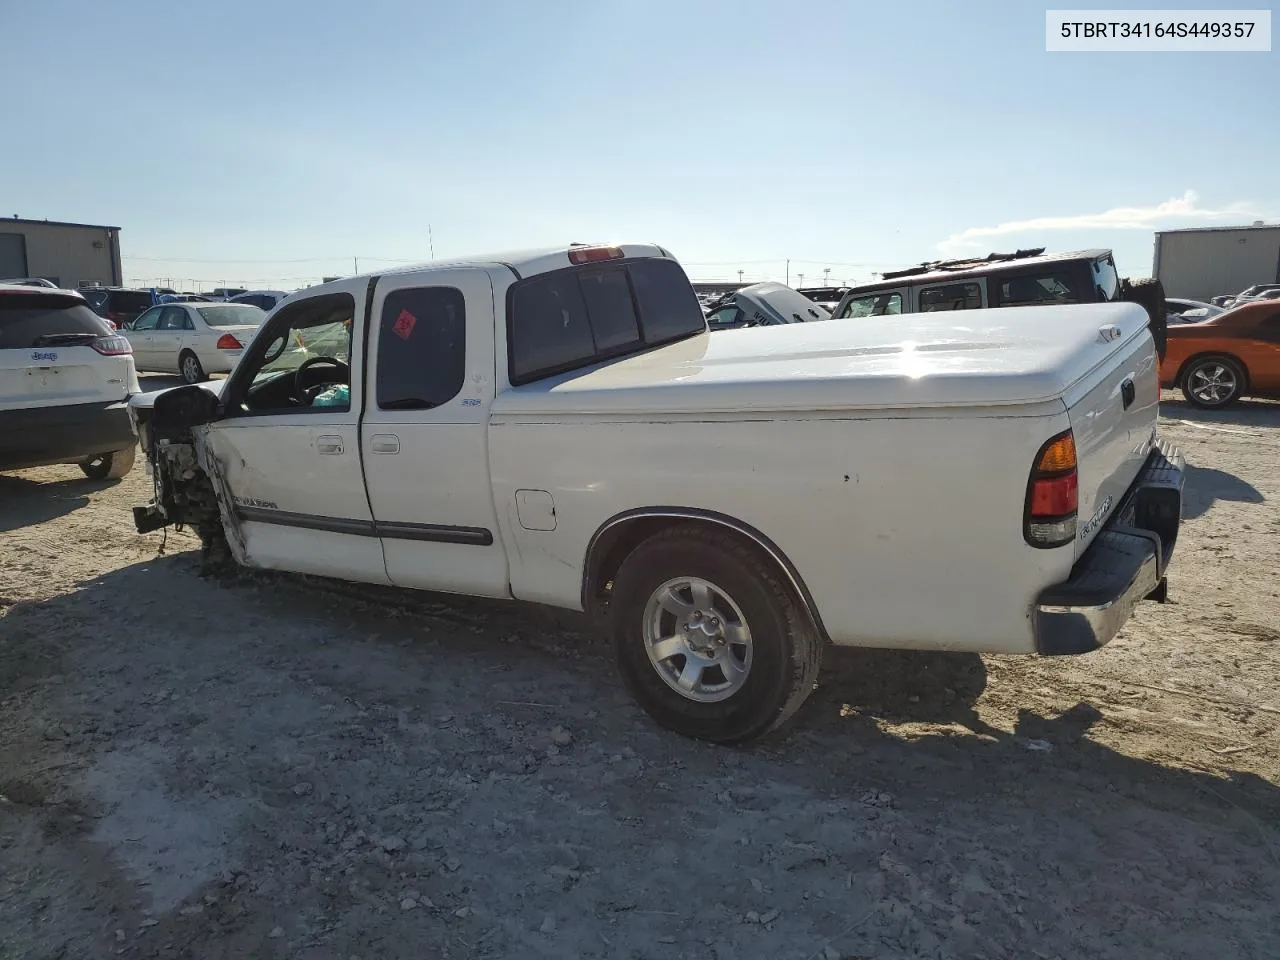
[68,254]
[1202,262]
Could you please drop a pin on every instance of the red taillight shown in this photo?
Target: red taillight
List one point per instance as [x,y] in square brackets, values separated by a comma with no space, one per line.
[114,346]
[594,254]
[1055,497]
[1053,494]
[228,342]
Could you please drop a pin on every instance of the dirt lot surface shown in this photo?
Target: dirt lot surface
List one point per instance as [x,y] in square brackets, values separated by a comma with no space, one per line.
[282,768]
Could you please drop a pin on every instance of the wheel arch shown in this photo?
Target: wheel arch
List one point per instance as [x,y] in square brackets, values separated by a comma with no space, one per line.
[623,532]
[1209,355]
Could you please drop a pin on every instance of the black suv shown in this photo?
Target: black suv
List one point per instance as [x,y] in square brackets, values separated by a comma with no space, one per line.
[1019,279]
[117,304]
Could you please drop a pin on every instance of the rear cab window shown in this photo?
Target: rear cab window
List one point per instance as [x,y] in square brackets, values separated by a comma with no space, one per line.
[582,315]
[37,320]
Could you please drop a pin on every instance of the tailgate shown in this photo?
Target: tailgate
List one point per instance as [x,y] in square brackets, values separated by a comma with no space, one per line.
[49,376]
[1113,413]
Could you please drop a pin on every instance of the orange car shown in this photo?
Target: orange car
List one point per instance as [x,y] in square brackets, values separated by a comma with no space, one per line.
[1224,358]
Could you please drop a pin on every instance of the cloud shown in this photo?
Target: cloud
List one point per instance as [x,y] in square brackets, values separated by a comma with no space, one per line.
[1185,207]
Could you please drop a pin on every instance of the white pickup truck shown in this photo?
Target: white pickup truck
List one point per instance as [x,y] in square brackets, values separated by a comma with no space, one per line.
[560,427]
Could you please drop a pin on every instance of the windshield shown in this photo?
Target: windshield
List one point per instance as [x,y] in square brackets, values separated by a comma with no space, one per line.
[1104,275]
[232,315]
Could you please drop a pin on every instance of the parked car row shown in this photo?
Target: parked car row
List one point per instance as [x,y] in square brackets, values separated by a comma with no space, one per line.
[1259,291]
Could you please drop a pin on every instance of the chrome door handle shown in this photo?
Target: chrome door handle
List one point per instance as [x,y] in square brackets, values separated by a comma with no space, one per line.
[331,445]
[384,443]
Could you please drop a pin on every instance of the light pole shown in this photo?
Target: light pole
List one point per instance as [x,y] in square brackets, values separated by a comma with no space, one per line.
[826,273]
[801,283]
[739,278]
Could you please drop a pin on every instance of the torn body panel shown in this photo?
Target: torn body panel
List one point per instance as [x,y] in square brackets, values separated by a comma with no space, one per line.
[217,480]
[186,496]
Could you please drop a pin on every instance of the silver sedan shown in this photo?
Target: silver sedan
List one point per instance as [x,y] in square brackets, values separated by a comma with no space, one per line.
[192,340]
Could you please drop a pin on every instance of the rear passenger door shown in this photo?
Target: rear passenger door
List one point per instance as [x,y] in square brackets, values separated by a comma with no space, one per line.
[424,437]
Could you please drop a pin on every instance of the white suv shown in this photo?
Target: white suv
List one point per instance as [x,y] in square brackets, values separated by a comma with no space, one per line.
[65,380]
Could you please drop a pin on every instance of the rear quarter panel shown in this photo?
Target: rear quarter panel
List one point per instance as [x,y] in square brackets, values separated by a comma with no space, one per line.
[905,528]
[1237,336]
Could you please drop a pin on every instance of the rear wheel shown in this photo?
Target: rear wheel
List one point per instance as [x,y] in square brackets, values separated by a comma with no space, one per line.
[709,640]
[1212,382]
[190,369]
[109,466]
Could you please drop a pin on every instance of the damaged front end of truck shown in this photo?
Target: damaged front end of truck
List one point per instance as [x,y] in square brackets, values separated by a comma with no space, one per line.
[190,489]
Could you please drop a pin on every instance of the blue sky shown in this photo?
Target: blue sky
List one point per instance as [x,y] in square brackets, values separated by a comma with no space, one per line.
[272,141]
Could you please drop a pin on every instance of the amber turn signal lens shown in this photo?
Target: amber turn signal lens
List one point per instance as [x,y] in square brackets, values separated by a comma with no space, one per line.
[1058,456]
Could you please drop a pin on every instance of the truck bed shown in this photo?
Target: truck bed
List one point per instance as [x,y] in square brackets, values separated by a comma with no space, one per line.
[981,358]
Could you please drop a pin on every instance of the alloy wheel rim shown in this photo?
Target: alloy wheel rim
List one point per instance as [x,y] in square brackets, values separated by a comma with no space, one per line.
[697,639]
[1213,383]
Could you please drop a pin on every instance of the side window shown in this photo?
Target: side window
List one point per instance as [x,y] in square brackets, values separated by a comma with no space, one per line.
[172,319]
[149,320]
[1031,289]
[301,361]
[951,296]
[872,305]
[725,317]
[421,348]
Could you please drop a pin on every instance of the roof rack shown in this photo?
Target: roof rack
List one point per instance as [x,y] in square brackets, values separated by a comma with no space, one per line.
[930,266]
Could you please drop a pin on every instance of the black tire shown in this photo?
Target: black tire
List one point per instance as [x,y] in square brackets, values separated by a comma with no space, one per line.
[786,648]
[109,466]
[1205,365]
[190,369]
[1148,293]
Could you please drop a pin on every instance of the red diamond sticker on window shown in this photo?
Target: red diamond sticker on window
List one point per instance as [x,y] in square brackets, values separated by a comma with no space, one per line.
[404,325]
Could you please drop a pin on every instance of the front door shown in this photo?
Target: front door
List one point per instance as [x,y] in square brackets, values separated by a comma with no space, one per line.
[140,334]
[170,337]
[288,445]
[424,436]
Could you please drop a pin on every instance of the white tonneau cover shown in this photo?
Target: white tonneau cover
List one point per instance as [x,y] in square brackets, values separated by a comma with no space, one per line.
[992,357]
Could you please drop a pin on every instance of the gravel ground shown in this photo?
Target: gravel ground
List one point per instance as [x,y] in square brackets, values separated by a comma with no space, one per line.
[278,767]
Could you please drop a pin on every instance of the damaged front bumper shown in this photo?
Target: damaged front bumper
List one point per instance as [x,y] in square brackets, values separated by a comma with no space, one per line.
[1125,564]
